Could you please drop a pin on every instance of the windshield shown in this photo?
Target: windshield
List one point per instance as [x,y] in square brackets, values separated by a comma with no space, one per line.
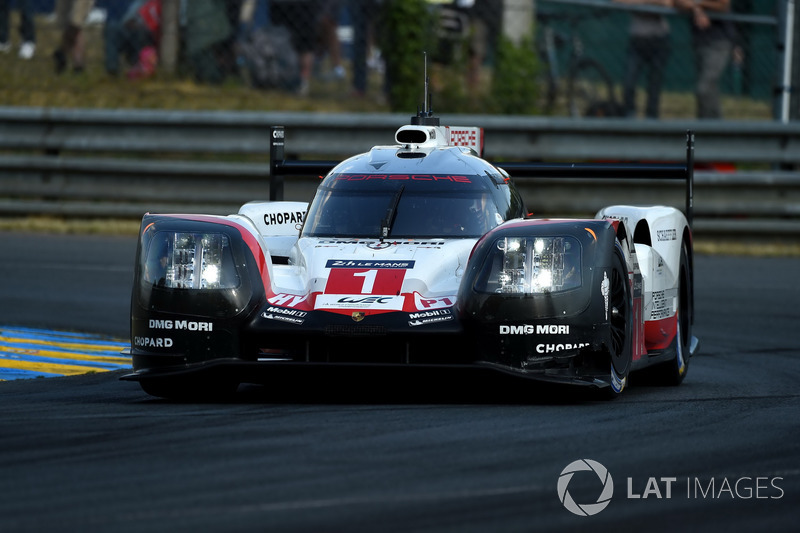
[414,213]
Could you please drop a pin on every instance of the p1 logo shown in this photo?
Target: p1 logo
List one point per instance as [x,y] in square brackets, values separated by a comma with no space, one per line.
[586,509]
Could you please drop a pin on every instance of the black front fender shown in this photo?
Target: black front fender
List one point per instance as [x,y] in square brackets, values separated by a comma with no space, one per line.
[173,326]
[546,328]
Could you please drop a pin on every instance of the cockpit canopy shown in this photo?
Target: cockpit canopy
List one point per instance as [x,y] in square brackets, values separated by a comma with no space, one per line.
[408,206]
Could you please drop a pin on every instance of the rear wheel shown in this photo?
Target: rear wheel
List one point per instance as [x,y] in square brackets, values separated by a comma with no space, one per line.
[672,372]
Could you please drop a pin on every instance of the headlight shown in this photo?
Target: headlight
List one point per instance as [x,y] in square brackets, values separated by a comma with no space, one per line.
[182,260]
[531,265]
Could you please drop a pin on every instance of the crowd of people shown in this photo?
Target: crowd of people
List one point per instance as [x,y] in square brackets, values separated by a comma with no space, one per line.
[649,49]
[219,38]
[27,28]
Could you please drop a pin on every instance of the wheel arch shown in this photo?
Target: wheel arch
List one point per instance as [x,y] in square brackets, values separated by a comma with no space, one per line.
[641,234]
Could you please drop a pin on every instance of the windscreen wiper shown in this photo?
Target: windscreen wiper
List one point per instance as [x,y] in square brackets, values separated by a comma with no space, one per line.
[391,214]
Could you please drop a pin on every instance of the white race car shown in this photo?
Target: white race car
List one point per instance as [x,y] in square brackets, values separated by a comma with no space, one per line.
[414,254]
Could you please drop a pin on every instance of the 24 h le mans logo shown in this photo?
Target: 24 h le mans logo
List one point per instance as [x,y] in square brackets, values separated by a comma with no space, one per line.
[586,509]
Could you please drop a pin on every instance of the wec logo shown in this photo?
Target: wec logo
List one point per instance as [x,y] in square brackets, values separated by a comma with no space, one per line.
[366,300]
[586,509]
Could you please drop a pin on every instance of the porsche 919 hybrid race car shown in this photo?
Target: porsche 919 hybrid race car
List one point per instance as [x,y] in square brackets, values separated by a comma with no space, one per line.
[415,254]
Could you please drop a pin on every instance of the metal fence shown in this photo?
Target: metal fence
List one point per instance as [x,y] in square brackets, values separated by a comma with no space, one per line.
[121,163]
[301,47]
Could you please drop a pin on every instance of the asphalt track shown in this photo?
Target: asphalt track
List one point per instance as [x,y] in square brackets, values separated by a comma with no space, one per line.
[400,453]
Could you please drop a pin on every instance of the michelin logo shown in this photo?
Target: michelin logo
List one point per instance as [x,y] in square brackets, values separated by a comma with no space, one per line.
[292,316]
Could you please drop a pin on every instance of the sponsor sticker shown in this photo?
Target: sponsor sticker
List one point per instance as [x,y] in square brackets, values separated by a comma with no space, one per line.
[535,329]
[370,243]
[404,177]
[359,301]
[185,325]
[152,342]
[355,263]
[667,235]
[292,316]
[430,317]
[426,321]
[279,219]
[288,300]
[555,348]
[464,136]
[663,304]
[423,304]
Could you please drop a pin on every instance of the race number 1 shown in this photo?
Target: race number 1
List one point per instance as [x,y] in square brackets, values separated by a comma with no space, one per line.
[384,281]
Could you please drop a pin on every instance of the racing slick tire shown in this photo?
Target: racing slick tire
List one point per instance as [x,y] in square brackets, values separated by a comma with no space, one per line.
[673,372]
[620,304]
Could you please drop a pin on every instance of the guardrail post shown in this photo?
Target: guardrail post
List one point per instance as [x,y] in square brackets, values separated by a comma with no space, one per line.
[276,156]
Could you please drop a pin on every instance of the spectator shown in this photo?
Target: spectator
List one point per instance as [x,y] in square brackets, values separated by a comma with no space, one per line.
[328,44]
[467,27]
[226,55]
[27,28]
[299,17]
[71,17]
[113,40]
[648,49]
[265,55]
[713,44]
[210,30]
[484,28]
[362,16]
[134,35]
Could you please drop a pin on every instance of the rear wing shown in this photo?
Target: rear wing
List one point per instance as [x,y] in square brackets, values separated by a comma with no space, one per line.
[280,168]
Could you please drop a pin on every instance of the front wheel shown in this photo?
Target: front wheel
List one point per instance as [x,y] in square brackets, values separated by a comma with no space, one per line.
[620,316]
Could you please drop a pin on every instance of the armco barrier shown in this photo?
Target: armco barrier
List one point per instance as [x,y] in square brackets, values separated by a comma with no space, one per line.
[109,163]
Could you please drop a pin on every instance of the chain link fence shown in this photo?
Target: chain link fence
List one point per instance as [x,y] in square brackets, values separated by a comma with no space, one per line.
[627,58]
[651,60]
